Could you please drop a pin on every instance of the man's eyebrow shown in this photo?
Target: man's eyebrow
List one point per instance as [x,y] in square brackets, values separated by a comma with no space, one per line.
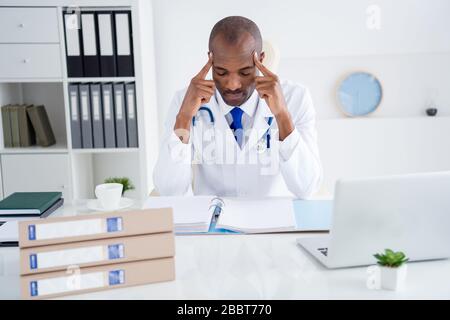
[242,69]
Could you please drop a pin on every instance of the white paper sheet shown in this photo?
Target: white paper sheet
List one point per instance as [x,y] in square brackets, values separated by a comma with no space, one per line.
[257,215]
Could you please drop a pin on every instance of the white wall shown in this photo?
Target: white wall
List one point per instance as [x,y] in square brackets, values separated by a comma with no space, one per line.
[320,42]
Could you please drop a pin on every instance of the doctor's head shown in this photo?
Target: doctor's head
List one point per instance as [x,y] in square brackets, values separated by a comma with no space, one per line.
[232,42]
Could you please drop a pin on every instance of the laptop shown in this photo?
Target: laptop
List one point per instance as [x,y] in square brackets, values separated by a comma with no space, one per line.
[409,213]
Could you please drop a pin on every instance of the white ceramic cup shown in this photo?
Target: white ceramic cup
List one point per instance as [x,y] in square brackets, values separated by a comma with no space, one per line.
[109,195]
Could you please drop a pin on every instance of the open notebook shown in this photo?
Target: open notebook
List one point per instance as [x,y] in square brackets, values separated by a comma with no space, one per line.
[202,214]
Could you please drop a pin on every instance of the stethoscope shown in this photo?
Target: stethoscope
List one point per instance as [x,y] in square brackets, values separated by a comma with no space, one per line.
[260,146]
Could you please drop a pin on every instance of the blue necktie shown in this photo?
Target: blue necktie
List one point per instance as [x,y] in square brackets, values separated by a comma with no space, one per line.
[236,125]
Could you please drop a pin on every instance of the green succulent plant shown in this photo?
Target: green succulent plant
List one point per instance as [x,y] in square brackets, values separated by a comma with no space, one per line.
[126,182]
[391,259]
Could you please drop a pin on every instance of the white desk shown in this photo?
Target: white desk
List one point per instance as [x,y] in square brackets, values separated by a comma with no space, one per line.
[251,267]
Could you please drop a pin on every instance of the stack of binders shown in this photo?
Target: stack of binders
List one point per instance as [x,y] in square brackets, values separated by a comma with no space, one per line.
[99,43]
[25,125]
[103,115]
[81,254]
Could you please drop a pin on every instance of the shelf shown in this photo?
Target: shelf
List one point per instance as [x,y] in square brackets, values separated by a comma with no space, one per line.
[106,150]
[104,79]
[56,148]
[30,80]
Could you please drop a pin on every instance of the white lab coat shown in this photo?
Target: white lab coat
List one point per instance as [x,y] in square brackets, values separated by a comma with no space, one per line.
[212,163]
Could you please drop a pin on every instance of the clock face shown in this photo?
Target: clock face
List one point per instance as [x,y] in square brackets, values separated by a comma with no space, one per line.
[359,94]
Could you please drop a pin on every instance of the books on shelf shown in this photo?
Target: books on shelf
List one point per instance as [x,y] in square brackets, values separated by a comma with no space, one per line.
[79,254]
[26,125]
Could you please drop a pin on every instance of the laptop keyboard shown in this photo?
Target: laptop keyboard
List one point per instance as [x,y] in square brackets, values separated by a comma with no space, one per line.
[323,251]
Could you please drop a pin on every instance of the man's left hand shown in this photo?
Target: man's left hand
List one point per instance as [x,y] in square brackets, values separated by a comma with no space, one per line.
[269,89]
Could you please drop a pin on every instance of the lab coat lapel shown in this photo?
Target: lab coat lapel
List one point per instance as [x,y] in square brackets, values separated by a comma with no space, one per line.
[260,124]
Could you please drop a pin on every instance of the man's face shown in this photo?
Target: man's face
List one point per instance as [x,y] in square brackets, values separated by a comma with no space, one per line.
[233,68]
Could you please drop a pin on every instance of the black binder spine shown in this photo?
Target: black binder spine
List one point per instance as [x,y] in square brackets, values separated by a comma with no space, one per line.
[90,44]
[74,44]
[124,43]
[107,45]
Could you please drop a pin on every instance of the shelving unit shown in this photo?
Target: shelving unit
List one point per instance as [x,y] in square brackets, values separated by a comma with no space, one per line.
[60,167]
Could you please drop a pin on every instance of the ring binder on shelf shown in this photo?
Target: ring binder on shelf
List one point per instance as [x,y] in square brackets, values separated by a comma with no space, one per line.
[90,41]
[124,44]
[74,54]
[106,33]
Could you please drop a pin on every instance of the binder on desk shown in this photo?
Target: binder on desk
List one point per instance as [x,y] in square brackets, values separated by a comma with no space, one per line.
[120,115]
[90,50]
[107,45]
[106,225]
[108,115]
[97,252]
[131,115]
[124,44]
[209,214]
[97,116]
[73,36]
[90,279]
[75,118]
[86,121]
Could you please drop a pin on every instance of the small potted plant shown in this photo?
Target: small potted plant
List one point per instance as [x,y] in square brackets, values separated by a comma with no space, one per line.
[393,269]
[126,182]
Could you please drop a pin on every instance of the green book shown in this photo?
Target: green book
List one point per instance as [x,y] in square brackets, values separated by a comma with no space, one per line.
[41,124]
[26,131]
[14,118]
[28,202]
[6,122]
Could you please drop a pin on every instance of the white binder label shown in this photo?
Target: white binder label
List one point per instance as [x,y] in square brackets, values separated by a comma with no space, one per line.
[130,103]
[69,229]
[69,283]
[122,35]
[96,106]
[119,105]
[72,28]
[105,34]
[84,106]
[74,105]
[74,256]
[107,105]
[89,34]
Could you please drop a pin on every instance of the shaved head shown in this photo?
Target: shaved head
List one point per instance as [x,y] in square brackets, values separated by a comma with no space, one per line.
[232,29]
[233,42]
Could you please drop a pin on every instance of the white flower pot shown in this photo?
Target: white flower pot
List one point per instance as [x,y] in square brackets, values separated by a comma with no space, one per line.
[393,278]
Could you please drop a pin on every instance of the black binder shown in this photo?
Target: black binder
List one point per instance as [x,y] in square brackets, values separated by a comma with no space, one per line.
[74,50]
[90,44]
[107,46]
[124,43]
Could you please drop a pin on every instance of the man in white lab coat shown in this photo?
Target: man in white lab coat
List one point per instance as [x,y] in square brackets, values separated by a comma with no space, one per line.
[245,133]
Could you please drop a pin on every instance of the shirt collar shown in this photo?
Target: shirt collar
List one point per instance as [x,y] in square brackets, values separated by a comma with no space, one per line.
[248,107]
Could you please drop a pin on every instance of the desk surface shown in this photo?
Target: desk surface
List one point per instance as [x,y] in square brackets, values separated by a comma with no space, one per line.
[269,266]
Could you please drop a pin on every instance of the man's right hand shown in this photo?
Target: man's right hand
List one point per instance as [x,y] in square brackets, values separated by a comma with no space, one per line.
[198,93]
